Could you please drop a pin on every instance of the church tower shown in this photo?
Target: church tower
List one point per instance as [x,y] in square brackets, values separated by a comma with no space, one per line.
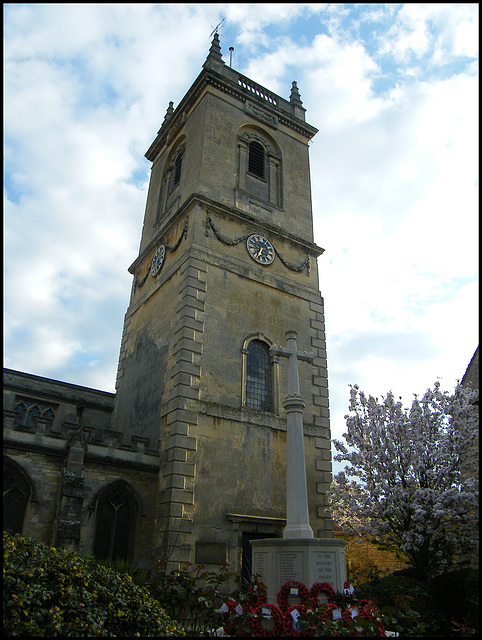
[227,265]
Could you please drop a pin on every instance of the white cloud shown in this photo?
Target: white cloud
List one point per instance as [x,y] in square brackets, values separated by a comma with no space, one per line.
[436,30]
[393,174]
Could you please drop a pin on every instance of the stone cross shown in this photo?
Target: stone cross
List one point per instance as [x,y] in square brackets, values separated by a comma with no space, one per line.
[297,518]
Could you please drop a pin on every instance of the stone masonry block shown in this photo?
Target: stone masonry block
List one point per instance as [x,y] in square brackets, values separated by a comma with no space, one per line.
[320,401]
[315,306]
[182,428]
[187,312]
[190,301]
[186,343]
[175,482]
[177,440]
[195,283]
[319,361]
[316,343]
[177,467]
[176,454]
[184,391]
[319,381]
[191,323]
[191,272]
[323,465]
[322,443]
[182,415]
[186,367]
[194,263]
[185,332]
[316,324]
[181,378]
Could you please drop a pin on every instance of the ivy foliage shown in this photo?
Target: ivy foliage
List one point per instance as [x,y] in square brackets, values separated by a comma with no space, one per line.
[52,592]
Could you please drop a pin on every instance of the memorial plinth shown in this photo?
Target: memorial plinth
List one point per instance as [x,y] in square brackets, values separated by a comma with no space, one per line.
[279,560]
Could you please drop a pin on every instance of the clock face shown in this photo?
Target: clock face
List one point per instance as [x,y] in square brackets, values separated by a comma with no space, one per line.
[260,249]
[158,260]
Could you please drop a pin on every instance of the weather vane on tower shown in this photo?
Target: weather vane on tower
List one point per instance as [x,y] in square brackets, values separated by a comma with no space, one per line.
[217,27]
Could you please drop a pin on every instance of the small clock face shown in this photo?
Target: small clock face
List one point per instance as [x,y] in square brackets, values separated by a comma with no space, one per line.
[260,249]
[158,260]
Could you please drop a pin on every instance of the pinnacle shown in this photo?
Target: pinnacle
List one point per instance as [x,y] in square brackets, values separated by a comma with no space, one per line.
[295,97]
[214,59]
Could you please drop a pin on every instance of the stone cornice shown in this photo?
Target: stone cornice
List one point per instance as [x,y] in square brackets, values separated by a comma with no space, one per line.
[211,205]
[237,86]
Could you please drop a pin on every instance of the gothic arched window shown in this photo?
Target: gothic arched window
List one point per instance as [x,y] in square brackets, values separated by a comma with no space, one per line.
[16,494]
[115,523]
[259,376]
[28,409]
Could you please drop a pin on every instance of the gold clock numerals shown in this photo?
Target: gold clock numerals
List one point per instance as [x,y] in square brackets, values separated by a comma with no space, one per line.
[158,260]
[260,249]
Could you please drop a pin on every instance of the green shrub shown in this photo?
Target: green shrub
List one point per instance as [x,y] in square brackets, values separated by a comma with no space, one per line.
[138,575]
[448,604]
[53,592]
[191,595]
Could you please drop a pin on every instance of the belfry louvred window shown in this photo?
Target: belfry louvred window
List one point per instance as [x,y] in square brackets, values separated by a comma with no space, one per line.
[256,159]
[177,170]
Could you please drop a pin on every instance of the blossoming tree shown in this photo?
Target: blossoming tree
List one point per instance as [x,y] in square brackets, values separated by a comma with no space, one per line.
[411,483]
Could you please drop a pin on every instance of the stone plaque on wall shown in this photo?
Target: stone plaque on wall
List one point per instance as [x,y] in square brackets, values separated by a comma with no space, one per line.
[210,553]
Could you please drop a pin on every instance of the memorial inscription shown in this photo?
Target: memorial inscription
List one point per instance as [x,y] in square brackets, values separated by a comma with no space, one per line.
[324,564]
[259,563]
[290,565]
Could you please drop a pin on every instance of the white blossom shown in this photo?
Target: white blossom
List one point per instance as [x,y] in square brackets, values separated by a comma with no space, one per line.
[411,482]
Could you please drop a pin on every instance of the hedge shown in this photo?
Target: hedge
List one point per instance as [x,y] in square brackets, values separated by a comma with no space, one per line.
[53,592]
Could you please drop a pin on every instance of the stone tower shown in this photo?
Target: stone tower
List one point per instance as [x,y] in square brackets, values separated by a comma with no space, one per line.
[226,265]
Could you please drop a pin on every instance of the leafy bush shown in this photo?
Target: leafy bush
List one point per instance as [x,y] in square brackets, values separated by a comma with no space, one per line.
[53,592]
[448,604]
[191,595]
[138,575]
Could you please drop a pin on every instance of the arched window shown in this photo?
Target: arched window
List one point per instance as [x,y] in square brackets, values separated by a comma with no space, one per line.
[29,409]
[16,494]
[115,523]
[256,160]
[171,179]
[176,171]
[259,167]
[259,376]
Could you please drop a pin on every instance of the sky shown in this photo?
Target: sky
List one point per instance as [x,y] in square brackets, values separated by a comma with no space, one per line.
[393,92]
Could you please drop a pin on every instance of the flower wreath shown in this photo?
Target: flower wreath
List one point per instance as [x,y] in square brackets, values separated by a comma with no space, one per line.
[303,593]
[255,599]
[321,587]
[368,610]
[288,627]
[229,616]
[276,615]
[326,616]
